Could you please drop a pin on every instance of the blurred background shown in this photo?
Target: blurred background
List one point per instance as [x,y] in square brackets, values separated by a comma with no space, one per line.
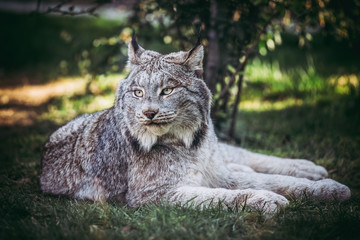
[284,74]
[285,80]
[259,54]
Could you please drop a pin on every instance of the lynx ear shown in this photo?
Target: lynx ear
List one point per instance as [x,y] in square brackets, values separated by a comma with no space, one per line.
[134,51]
[195,58]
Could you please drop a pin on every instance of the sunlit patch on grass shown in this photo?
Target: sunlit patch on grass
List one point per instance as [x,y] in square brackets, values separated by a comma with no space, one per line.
[35,95]
[345,83]
[266,77]
[21,105]
[269,82]
[13,116]
[102,96]
[100,103]
[105,83]
[260,105]
[65,99]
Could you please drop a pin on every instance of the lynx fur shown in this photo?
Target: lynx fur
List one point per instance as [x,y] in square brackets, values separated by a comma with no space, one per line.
[157,143]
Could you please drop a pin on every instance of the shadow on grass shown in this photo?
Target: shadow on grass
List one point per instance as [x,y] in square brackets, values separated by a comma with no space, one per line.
[327,133]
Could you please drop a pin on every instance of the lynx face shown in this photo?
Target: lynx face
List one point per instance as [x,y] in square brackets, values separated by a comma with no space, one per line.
[164,96]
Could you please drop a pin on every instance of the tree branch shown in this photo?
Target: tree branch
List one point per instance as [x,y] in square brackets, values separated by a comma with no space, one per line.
[235,110]
[38,3]
[71,9]
[241,68]
[248,51]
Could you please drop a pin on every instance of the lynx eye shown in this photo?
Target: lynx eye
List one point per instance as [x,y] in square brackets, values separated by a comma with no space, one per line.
[138,93]
[166,91]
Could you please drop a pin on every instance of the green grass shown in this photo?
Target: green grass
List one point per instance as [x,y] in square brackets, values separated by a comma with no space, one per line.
[25,213]
[326,132]
[101,95]
[267,81]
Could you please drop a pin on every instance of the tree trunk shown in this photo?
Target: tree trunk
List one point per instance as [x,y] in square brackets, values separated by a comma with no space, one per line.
[213,58]
[232,129]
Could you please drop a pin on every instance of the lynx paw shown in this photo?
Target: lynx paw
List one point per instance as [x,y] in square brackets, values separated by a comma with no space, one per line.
[306,169]
[330,190]
[266,201]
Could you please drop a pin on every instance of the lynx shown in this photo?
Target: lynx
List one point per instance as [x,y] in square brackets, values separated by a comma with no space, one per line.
[157,143]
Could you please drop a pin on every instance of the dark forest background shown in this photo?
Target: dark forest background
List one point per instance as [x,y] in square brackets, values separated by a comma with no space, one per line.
[285,76]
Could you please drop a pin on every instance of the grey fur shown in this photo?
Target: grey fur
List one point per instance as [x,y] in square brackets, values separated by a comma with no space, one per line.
[120,153]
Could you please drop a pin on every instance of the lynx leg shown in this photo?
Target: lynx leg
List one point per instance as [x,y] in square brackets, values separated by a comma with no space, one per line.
[91,191]
[274,165]
[266,201]
[239,168]
[325,190]
[292,167]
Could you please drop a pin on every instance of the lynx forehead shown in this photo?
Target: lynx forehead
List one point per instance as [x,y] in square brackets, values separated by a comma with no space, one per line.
[158,143]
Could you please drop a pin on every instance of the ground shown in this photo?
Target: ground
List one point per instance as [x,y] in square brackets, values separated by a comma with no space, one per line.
[324,130]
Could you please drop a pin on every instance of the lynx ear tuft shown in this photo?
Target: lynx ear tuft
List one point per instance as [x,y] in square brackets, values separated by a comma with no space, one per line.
[195,58]
[134,51]
[134,44]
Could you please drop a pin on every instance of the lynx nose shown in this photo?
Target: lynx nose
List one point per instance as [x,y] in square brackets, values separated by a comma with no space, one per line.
[150,114]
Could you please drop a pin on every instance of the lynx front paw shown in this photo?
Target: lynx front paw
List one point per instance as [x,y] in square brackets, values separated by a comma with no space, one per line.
[330,190]
[306,169]
[266,201]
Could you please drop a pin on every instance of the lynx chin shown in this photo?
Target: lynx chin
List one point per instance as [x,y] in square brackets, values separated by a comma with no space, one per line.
[157,143]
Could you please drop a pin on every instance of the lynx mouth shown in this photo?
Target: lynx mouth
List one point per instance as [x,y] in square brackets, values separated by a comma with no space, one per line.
[156,123]
[161,120]
[157,128]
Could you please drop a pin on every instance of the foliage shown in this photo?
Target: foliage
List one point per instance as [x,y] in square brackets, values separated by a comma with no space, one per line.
[56,46]
[234,31]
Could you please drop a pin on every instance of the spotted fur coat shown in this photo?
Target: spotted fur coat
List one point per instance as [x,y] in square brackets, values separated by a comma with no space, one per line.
[157,143]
